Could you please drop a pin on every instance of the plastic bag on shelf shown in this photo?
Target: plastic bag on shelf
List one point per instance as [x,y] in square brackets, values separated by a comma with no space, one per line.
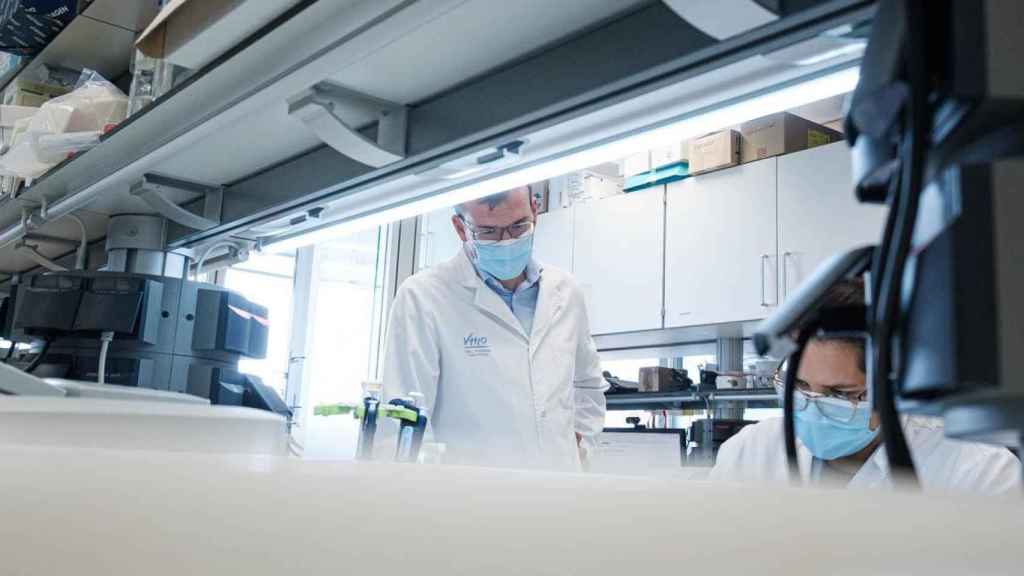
[35,153]
[10,116]
[94,105]
[63,126]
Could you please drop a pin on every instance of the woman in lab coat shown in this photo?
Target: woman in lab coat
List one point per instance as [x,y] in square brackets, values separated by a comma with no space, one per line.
[838,434]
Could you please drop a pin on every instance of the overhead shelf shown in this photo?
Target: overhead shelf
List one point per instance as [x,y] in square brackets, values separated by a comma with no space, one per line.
[625,65]
[230,119]
[754,397]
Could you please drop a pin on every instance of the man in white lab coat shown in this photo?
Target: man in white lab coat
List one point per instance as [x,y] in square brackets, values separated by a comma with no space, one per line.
[838,440]
[499,345]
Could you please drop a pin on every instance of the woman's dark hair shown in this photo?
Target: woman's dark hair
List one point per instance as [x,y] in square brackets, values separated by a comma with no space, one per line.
[845,294]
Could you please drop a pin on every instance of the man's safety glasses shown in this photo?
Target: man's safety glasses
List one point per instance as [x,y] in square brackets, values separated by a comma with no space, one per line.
[495,234]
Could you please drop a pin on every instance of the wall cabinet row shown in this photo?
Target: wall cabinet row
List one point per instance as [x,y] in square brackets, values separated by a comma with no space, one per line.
[728,246]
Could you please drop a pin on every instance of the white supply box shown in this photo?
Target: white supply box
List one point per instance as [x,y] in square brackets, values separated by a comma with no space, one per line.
[637,164]
[668,155]
[582,186]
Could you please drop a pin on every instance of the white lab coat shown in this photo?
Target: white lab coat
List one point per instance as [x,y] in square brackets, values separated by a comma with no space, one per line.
[495,395]
[757,454]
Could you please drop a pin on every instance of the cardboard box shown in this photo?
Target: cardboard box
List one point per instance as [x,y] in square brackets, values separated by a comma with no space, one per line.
[31,94]
[192,33]
[714,151]
[782,133]
[836,125]
[661,379]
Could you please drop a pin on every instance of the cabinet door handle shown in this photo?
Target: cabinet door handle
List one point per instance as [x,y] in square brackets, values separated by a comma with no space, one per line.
[765,258]
[785,274]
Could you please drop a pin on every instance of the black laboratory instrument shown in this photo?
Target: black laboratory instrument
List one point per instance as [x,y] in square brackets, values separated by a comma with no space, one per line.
[937,129]
[707,435]
[165,333]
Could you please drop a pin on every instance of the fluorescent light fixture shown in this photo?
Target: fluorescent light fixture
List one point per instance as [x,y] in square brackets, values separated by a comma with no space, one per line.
[481,161]
[853,48]
[698,124]
[464,173]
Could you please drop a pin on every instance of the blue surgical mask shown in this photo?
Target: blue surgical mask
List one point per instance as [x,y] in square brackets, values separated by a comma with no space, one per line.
[843,434]
[506,259]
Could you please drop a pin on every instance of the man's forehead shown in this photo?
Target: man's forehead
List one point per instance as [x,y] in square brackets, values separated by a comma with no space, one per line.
[514,207]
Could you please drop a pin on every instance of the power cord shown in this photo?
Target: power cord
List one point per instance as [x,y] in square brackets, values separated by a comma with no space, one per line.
[788,413]
[39,357]
[101,370]
[232,246]
[894,260]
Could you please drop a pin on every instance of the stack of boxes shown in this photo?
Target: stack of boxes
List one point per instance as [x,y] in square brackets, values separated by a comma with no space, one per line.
[758,139]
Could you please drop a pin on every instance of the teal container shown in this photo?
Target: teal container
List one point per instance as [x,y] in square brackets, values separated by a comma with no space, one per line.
[657,177]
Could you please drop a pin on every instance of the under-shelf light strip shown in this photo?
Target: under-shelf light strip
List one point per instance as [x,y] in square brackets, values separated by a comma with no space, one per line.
[780,100]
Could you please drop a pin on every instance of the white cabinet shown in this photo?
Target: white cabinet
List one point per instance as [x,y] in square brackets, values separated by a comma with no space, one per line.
[720,246]
[617,259]
[552,244]
[819,215]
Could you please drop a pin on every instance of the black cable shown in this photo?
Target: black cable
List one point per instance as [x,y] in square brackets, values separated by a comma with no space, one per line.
[878,258]
[39,357]
[913,146]
[10,352]
[788,413]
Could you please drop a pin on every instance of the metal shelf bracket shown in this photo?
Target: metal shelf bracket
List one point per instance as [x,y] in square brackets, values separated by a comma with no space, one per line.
[153,189]
[320,109]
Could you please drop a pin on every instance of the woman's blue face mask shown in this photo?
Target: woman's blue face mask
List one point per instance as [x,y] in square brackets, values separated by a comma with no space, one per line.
[845,430]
